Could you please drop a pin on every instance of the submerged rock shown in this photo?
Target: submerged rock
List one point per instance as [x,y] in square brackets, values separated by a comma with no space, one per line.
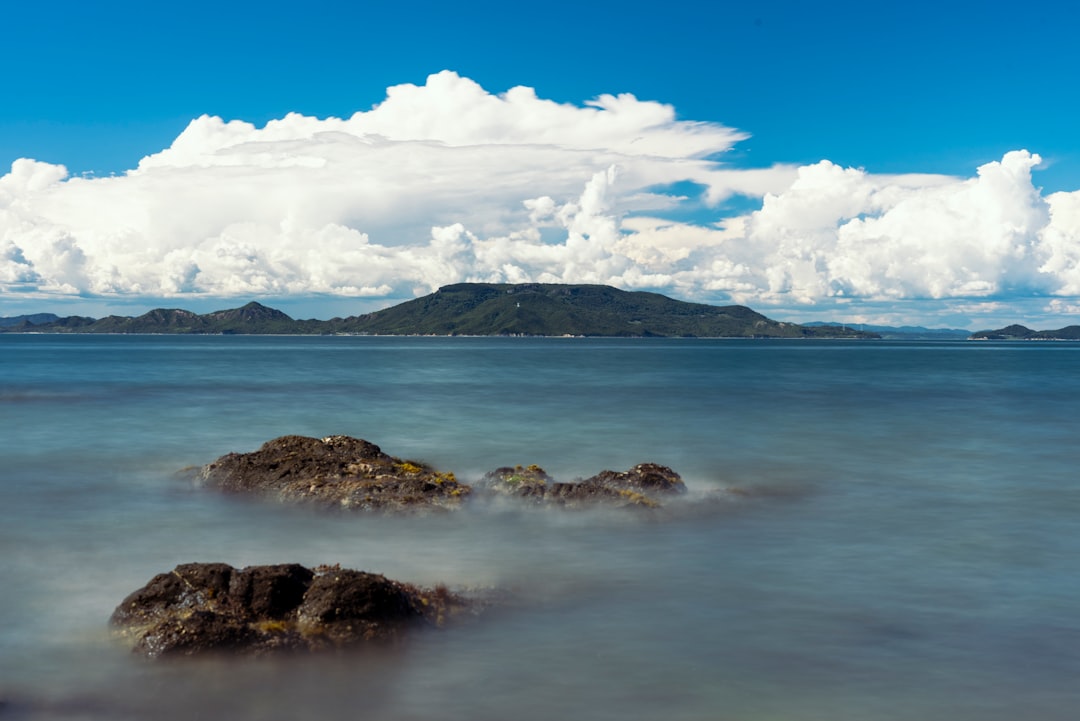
[337,471]
[201,608]
[645,485]
[530,482]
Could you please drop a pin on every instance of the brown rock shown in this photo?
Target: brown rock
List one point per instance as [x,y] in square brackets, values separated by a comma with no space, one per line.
[523,481]
[335,472]
[200,632]
[188,586]
[270,592]
[202,608]
[649,478]
[643,486]
[347,607]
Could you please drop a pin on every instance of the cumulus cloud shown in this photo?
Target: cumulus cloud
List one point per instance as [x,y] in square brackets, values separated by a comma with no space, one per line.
[447,182]
[843,232]
[439,183]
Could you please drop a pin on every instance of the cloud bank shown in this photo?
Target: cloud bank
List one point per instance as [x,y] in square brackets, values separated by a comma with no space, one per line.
[447,182]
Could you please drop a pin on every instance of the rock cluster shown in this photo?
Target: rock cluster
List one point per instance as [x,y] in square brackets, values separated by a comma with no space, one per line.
[200,608]
[212,607]
[353,474]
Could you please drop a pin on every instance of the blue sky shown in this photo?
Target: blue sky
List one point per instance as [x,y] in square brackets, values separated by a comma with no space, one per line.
[910,90]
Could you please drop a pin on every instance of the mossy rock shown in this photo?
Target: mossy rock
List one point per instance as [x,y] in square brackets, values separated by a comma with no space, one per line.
[523,481]
[643,486]
[338,472]
[351,474]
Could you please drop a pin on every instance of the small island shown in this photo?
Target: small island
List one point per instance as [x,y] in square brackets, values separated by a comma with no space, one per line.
[1019,332]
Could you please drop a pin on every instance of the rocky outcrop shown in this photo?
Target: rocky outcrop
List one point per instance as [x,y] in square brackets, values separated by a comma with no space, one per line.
[335,472]
[200,608]
[645,485]
[348,473]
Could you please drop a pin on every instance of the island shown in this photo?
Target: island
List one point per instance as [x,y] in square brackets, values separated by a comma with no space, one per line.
[1019,332]
[473,309]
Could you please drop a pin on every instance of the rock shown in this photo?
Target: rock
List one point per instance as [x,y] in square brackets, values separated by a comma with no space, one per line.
[352,606]
[271,592]
[525,482]
[197,633]
[647,478]
[644,485]
[202,608]
[335,472]
[188,587]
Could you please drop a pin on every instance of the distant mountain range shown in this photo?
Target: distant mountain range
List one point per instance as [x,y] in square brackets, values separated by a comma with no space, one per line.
[483,309]
[904,332]
[29,320]
[534,309]
[252,318]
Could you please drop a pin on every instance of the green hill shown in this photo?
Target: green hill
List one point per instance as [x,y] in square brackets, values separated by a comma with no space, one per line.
[253,318]
[1019,332]
[585,310]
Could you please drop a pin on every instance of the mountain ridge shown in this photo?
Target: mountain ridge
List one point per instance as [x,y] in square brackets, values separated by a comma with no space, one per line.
[30,319]
[903,332]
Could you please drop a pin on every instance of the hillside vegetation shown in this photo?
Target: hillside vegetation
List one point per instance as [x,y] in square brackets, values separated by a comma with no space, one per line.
[587,310]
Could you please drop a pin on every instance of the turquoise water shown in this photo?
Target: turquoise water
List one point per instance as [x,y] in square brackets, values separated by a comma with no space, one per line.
[906,545]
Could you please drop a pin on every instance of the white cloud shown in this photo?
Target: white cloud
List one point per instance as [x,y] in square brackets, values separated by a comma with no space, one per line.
[1061,242]
[353,206]
[843,232]
[15,269]
[446,182]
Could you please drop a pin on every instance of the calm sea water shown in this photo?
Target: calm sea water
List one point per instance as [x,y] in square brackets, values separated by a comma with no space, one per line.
[907,546]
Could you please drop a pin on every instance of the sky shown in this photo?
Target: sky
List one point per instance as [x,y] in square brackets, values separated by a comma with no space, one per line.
[894,163]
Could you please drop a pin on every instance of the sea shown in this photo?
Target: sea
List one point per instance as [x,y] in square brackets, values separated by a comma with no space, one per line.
[874,530]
